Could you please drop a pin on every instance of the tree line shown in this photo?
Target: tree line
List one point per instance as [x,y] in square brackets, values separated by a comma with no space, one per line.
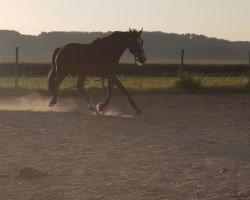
[158,45]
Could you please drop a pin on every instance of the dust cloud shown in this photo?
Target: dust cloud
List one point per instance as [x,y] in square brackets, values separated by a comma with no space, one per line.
[36,103]
[114,112]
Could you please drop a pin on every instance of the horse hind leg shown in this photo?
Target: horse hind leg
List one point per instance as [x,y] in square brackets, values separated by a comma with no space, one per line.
[80,87]
[54,87]
[51,79]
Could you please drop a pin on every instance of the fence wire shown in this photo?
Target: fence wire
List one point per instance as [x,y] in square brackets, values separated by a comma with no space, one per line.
[190,57]
[36,62]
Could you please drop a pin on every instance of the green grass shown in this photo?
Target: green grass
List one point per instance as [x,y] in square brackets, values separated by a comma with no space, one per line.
[225,82]
[148,83]
[136,84]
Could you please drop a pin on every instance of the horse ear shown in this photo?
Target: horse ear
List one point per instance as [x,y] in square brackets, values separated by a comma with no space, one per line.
[140,32]
[130,30]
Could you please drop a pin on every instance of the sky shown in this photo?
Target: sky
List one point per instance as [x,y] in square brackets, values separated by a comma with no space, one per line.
[226,19]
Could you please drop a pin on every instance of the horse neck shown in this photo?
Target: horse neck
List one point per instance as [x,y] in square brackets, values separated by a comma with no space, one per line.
[113,48]
[122,44]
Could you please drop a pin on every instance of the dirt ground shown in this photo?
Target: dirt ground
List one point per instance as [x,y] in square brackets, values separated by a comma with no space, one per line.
[183,147]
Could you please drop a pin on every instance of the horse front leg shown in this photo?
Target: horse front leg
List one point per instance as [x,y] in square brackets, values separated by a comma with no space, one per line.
[101,106]
[126,93]
[80,87]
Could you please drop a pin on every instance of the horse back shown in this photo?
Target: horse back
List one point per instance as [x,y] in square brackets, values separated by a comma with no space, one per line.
[83,58]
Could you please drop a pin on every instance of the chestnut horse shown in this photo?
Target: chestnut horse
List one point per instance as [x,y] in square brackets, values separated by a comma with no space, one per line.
[98,58]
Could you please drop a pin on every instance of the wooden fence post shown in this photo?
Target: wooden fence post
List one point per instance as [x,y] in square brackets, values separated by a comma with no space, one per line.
[16,69]
[182,60]
[249,59]
[249,69]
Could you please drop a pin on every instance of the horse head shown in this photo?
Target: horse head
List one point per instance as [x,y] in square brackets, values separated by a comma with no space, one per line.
[136,46]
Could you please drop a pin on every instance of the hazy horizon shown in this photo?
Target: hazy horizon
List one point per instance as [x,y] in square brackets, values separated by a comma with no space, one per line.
[224,19]
[98,31]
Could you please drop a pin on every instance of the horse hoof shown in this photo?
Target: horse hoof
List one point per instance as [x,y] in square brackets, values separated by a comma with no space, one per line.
[92,108]
[100,107]
[52,103]
[138,111]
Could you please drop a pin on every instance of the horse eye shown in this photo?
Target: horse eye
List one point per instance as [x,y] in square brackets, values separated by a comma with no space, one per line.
[139,40]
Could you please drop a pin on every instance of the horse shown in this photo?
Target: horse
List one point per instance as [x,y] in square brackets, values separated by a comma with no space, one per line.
[98,58]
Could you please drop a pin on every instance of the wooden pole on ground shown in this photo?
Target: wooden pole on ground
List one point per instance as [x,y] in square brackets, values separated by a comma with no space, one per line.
[16,69]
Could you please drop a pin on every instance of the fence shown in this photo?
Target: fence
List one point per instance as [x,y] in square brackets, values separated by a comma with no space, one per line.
[30,62]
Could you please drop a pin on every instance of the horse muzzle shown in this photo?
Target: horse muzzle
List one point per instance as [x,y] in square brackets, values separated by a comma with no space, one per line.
[141,58]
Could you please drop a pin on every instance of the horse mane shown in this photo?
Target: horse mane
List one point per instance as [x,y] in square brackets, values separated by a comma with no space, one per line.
[107,38]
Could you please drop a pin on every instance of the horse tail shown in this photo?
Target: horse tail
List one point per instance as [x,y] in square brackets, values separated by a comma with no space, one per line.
[52,72]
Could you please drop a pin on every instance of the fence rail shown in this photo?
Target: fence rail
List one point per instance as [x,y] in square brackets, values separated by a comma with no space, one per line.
[30,62]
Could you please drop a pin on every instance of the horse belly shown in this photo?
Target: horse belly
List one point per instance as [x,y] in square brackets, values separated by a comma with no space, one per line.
[91,65]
